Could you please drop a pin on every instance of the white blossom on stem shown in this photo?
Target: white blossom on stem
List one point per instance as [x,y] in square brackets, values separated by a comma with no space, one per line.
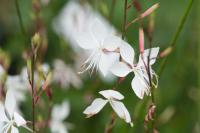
[75,18]
[113,97]
[10,119]
[102,43]
[140,83]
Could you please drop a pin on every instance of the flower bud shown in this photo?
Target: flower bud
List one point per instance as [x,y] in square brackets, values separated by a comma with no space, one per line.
[141,40]
[36,41]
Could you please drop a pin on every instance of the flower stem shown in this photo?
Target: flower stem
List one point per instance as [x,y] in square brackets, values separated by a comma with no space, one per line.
[198,42]
[20,17]
[173,42]
[125,19]
[111,124]
[33,90]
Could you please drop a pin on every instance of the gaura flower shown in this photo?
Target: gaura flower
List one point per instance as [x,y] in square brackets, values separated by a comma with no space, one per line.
[75,18]
[72,19]
[113,97]
[140,83]
[59,114]
[102,43]
[10,119]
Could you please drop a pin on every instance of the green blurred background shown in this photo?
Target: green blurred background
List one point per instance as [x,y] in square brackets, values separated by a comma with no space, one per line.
[177,95]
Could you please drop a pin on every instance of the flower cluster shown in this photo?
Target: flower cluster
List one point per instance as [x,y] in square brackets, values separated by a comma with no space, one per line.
[109,53]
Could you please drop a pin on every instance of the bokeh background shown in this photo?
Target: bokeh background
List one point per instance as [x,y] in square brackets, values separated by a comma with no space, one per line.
[177,96]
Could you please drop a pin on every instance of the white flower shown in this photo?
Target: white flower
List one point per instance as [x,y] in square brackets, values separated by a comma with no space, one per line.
[74,19]
[65,75]
[102,44]
[18,86]
[59,114]
[113,97]
[140,83]
[10,119]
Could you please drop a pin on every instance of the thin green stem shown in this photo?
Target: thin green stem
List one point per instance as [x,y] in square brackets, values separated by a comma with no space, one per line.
[125,19]
[111,124]
[198,42]
[20,17]
[33,90]
[176,35]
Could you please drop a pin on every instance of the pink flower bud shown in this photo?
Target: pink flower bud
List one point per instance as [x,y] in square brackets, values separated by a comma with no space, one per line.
[166,52]
[150,10]
[141,40]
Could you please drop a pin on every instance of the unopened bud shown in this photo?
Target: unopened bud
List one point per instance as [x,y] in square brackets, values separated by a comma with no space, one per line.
[141,40]
[36,41]
[150,10]
[166,52]
[47,81]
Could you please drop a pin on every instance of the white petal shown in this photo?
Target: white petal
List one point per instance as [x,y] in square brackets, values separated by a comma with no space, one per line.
[111,42]
[86,41]
[99,30]
[153,56]
[95,107]
[60,112]
[19,120]
[139,86]
[14,130]
[127,53]
[111,94]
[121,110]
[58,127]
[3,117]
[106,62]
[120,69]
[10,103]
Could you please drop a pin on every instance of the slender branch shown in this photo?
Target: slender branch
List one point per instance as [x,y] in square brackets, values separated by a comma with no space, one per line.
[173,42]
[33,90]
[125,19]
[20,17]
[198,42]
[111,124]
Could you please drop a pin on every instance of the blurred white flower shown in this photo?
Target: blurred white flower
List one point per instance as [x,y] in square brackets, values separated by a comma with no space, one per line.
[65,75]
[140,83]
[102,43]
[45,2]
[18,86]
[59,114]
[10,119]
[45,68]
[74,19]
[113,97]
